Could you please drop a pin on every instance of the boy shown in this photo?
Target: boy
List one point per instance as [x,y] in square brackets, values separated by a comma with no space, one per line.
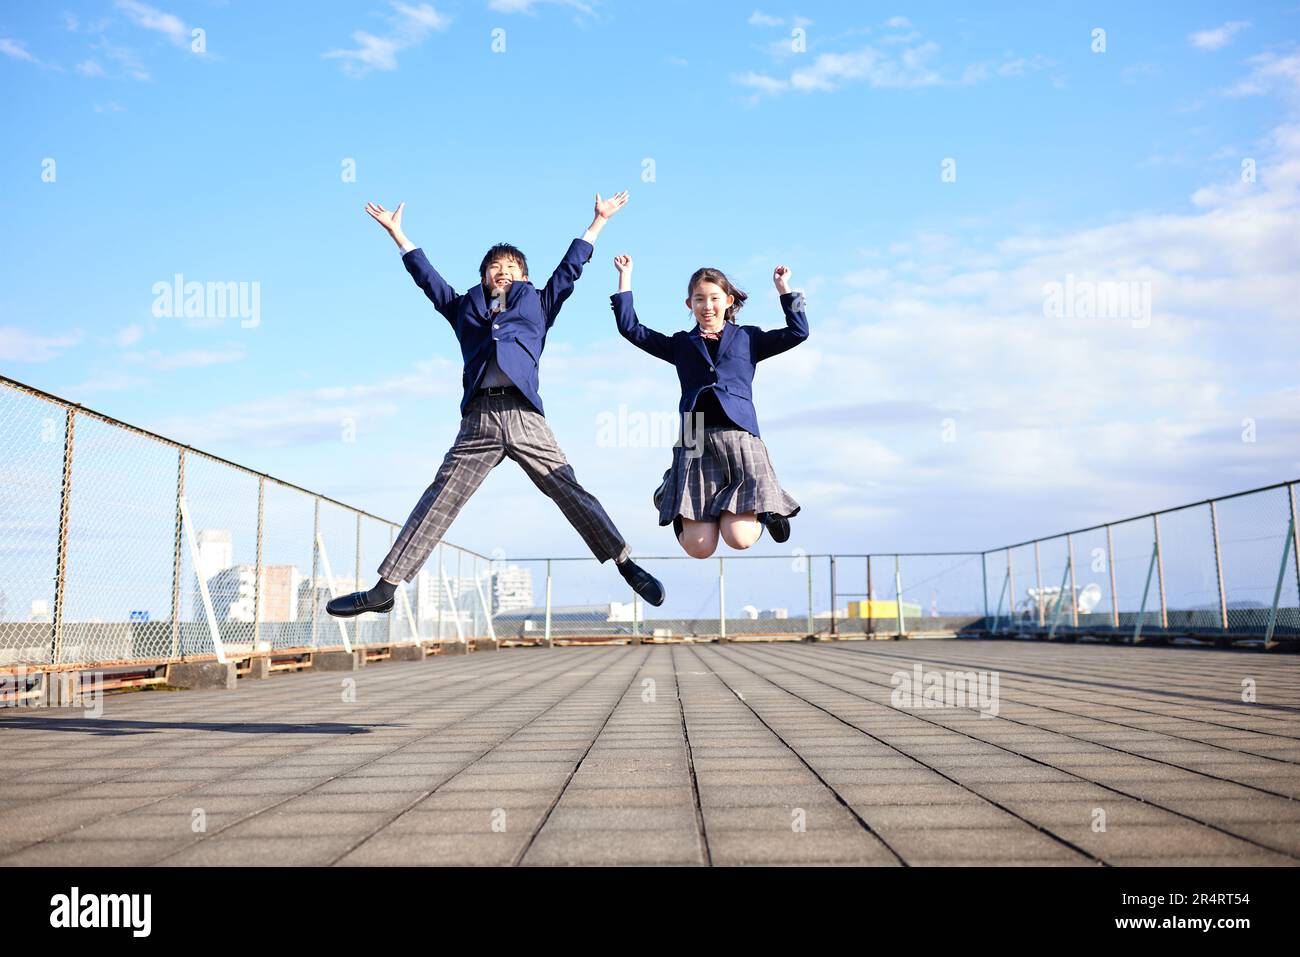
[501,325]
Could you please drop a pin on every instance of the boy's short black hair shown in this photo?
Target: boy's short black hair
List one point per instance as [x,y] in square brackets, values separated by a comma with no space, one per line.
[503,251]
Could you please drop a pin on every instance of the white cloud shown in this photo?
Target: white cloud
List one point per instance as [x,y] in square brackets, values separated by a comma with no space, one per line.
[881,68]
[758,19]
[187,359]
[129,335]
[310,416]
[410,26]
[830,70]
[125,59]
[1103,410]
[17,50]
[898,23]
[527,6]
[1217,38]
[762,82]
[19,345]
[89,68]
[1270,73]
[151,18]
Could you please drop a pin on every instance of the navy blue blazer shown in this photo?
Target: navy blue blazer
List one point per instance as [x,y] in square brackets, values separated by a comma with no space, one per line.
[517,334]
[740,350]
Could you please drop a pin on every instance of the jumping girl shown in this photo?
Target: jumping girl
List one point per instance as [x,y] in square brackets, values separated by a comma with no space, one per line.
[721,479]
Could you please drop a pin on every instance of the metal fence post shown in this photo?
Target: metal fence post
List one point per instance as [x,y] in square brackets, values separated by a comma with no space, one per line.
[176,555]
[898,596]
[547,638]
[1110,561]
[1074,593]
[315,565]
[871,614]
[808,563]
[1038,579]
[1277,589]
[258,569]
[984,576]
[61,552]
[833,629]
[1160,571]
[1011,593]
[1295,538]
[356,577]
[722,604]
[1218,567]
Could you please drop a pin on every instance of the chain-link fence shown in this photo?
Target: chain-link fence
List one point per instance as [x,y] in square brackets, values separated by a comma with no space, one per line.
[121,546]
[1226,568]
[118,546]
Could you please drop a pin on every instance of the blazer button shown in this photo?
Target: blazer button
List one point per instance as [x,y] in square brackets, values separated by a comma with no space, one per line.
[710,368]
[496,325]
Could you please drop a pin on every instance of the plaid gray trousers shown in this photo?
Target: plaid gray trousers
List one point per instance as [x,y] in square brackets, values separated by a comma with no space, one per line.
[494,427]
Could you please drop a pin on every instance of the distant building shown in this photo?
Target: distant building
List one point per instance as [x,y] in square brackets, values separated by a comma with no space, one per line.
[512,589]
[775,613]
[430,596]
[231,591]
[279,593]
[216,552]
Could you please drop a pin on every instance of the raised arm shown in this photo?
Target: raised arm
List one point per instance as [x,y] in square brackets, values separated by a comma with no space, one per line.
[560,286]
[773,342]
[643,337]
[443,296]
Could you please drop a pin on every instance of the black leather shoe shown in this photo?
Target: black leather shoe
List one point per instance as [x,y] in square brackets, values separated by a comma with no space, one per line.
[778,526]
[643,583]
[349,606]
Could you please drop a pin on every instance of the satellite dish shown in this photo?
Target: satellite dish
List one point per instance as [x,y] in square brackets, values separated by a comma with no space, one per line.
[1089,598]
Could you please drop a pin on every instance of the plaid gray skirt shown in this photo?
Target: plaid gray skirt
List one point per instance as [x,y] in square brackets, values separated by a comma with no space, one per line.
[731,474]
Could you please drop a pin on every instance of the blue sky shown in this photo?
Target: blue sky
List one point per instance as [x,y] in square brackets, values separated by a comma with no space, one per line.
[934,406]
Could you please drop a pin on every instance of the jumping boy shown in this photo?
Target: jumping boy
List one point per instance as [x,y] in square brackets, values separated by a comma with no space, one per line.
[501,324]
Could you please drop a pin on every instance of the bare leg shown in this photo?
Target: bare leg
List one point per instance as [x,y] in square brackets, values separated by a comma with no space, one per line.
[740,531]
[698,539]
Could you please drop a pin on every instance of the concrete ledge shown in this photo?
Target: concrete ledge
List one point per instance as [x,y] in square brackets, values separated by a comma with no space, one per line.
[453,648]
[408,653]
[486,644]
[195,675]
[338,661]
[258,668]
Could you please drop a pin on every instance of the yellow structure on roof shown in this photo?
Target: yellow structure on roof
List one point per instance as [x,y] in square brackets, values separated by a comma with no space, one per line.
[882,608]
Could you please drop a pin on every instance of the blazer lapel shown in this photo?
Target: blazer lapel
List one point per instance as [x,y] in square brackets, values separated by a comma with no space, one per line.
[478,300]
[729,333]
[699,344]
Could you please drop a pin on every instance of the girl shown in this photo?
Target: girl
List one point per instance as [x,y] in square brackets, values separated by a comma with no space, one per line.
[721,480]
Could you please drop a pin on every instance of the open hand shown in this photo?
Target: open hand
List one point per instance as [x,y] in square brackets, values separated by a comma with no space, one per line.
[606,208]
[389,220]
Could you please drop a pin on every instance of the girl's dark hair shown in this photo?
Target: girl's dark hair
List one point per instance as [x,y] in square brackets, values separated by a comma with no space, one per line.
[502,251]
[709,274]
